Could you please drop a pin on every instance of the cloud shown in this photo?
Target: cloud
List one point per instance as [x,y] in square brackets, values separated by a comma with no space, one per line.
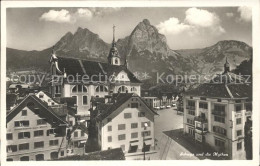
[229,15]
[62,16]
[85,13]
[200,17]
[245,13]
[172,26]
[197,21]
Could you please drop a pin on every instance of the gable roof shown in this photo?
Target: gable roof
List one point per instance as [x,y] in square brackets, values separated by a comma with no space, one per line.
[83,67]
[119,99]
[45,111]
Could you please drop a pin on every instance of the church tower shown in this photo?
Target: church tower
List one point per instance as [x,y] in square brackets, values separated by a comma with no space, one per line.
[114,57]
[226,66]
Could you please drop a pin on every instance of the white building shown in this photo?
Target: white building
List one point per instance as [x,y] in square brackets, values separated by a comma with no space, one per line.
[121,123]
[215,113]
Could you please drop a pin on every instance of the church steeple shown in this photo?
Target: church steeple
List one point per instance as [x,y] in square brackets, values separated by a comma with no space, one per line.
[113,57]
[226,66]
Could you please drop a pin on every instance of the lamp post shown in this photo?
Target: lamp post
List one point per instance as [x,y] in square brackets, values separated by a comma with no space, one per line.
[145,126]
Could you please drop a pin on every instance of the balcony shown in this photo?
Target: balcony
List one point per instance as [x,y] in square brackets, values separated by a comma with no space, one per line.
[200,119]
[248,113]
[201,130]
[219,113]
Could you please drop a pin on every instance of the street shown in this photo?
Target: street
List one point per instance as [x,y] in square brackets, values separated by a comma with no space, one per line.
[167,148]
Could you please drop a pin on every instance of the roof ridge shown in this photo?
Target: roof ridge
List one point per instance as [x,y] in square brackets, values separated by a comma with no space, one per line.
[229,92]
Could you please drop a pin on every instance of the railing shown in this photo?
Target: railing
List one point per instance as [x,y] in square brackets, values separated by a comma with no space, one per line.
[200,119]
[219,113]
[248,113]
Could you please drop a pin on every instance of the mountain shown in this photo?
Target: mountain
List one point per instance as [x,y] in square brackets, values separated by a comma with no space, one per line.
[145,49]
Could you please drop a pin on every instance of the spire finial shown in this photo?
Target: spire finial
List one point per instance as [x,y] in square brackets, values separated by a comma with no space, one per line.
[114,34]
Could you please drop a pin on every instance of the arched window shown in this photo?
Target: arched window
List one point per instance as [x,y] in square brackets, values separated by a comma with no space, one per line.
[79,89]
[122,89]
[24,158]
[116,61]
[101,88]
[54,155]
[133,89]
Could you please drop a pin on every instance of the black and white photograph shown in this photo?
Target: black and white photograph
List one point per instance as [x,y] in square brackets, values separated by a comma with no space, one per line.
[128,82]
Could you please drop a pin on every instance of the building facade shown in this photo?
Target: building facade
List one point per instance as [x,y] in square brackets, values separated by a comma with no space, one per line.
[34,132]
[215,113]
[127,124]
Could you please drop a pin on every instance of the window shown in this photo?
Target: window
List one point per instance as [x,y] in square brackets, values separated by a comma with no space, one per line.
[191,112]
[39,157]
[122,89]
[127,115]
[79,89]
[134,105]
[219,143]
[24,123]
[238,108]
[190,121]
[109,139]
[38,144]
[11,148]
[75,134]
[141,114]
[134,135]
[239,145]
[24,158]
[133,89]
[146,133]
[9,136]
[219,119]
[191,104]
[85,100]
[101,88]
[54,142]
[57,89]
[38,133]
[134,125]
[109,128]
[24,112]
[219,100]
[121,137]
[62,153]
[203,105]
[116,61]
[148,124]
[76,99]
[219,130]
[121,127]
[239,132]
[219,110]
[9,159]
[23,135]
[24,146]
[41,122]
[238,121]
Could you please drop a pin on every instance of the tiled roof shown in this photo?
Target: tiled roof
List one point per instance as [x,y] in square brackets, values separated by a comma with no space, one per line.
[82,67]
[45,111]
[118,99]
[227,85]
[111,154]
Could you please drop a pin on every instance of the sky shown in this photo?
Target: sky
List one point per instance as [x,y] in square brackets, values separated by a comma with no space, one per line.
[184,27]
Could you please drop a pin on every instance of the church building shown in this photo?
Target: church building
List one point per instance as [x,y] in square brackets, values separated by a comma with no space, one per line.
[83,79]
